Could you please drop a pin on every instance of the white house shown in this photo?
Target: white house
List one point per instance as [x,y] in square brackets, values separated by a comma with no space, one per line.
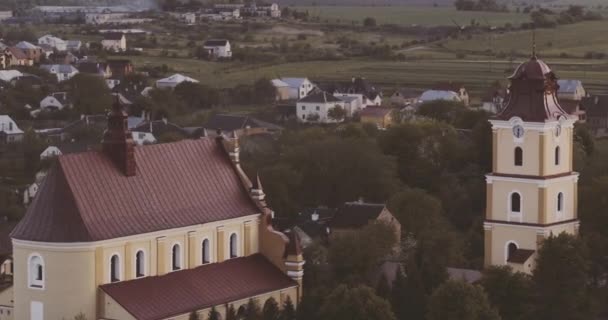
[570,90]
[10,75]
[218,48]
[172,81]
[55,101]
[116,42]
[9,131]
[432,95]
[50,152]
[298,87]
[315,108]
[61,71]
[74,45]
[353,103]
[54,42]
[142,138]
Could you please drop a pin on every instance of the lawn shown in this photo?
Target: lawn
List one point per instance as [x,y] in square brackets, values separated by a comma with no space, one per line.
[412,15]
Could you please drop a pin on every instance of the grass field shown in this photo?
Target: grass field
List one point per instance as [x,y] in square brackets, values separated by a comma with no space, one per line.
[411,15]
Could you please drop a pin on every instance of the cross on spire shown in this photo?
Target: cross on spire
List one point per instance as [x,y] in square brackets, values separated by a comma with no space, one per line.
[533,43]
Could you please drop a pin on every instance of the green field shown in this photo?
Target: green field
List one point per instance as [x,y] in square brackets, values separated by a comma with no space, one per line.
[410,15]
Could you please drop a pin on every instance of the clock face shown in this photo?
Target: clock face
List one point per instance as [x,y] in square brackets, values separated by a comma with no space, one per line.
[558,130]
[518,131]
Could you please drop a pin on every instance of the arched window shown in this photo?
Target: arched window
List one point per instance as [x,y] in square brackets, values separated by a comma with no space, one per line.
[140,264]
[233,246]
[556,156]
[519,155]
[114,268]
[205,251]
[515,202]
[560,202]
[36,272]
[176,257]
[511,248]
[241,312]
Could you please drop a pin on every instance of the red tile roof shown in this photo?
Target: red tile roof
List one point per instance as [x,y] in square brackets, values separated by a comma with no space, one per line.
[185,291]
[85,197]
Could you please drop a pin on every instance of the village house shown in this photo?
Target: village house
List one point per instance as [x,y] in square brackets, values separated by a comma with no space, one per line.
[458,88]
[352,104]
[53,42]
[316,108]
[434,95]
[4,15]
[55,101]
[95,68]
[405,97]
[10,75]
[16,57]
[218,48]
[298,87]
[282,89]
[172,81]
[379,116]
[360,86]
[74,45]
[270,10]
[493,100]
[115,42]
[50,152]
[31,51]
[143,138]
[570,90]
[9,131]
[75,259]
[65,57]
[120,67]
[63,72]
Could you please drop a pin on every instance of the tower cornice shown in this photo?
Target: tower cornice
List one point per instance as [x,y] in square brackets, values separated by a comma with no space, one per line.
[538,180]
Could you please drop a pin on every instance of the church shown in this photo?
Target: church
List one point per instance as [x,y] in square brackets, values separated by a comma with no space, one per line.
[150,232]
[531,192]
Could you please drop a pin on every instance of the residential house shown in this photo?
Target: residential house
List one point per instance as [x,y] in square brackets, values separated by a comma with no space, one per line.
[315,108]
[493,100]
[282,89]
[120,67]
[65,57]
[95,68]
[17,57]
[352,103]
[188,18]
[116,42]
[218,48]
[298,87]
[404,97]
[10,75]
[433,95]
[47,50]
[131,255]
[360,86]
[50,152]
[596,109]
[270,10]
[458,88]
[570,90]
[5,15]
[172,81]
[55,101]
[54,42]
[379,116]
[63,72]
[9,131]
[31,51]
[143,138]
[74,45]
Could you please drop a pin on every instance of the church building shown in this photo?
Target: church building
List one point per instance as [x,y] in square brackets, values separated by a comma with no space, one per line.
[150,232]
[532,190]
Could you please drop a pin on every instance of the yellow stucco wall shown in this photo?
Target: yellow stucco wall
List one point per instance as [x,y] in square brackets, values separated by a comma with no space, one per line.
[6,304]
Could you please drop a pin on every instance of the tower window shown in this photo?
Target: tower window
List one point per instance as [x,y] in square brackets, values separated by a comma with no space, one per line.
[176,257]
[233,246]
[519,156]
[205,251]
[114,268]
[139,264]
[560,202]
[36,272]
[556,156]
[515,202]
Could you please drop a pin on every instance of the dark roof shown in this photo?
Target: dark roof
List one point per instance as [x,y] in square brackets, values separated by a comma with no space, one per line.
[320,97]
[230,122]
[532,95]
[91,67]
[113,36]
[595,106]
[160,127]
[181,292]
[520,256]
[356,215]
[570,106]
[85,197]
[6,246]
[375,111]
[215,43]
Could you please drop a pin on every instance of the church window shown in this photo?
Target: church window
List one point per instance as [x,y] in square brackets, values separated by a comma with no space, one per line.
[205,252]
[36,272]
[515,202]
[233,246]
[511,249]
[140,264]
[518,156]
[560,202]
[114,268]
[556,156]
[176,257]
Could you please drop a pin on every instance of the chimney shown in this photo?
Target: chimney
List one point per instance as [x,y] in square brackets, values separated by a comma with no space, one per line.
[117,142]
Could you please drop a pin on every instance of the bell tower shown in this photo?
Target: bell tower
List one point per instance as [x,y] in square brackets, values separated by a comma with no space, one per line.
[531,192]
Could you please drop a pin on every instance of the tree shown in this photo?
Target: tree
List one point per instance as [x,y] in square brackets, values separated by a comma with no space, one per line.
[510,292]
[336,113]
[196,95]
[89,93]
[561,279]
[193,316]
[252,311]
[462,301]
[231,313]
[213,314]
[409,296]
[289,311]
[369,22]
[356,303]
[270,310]
[354,255]
[441,110]
[264,91]
[383,289]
